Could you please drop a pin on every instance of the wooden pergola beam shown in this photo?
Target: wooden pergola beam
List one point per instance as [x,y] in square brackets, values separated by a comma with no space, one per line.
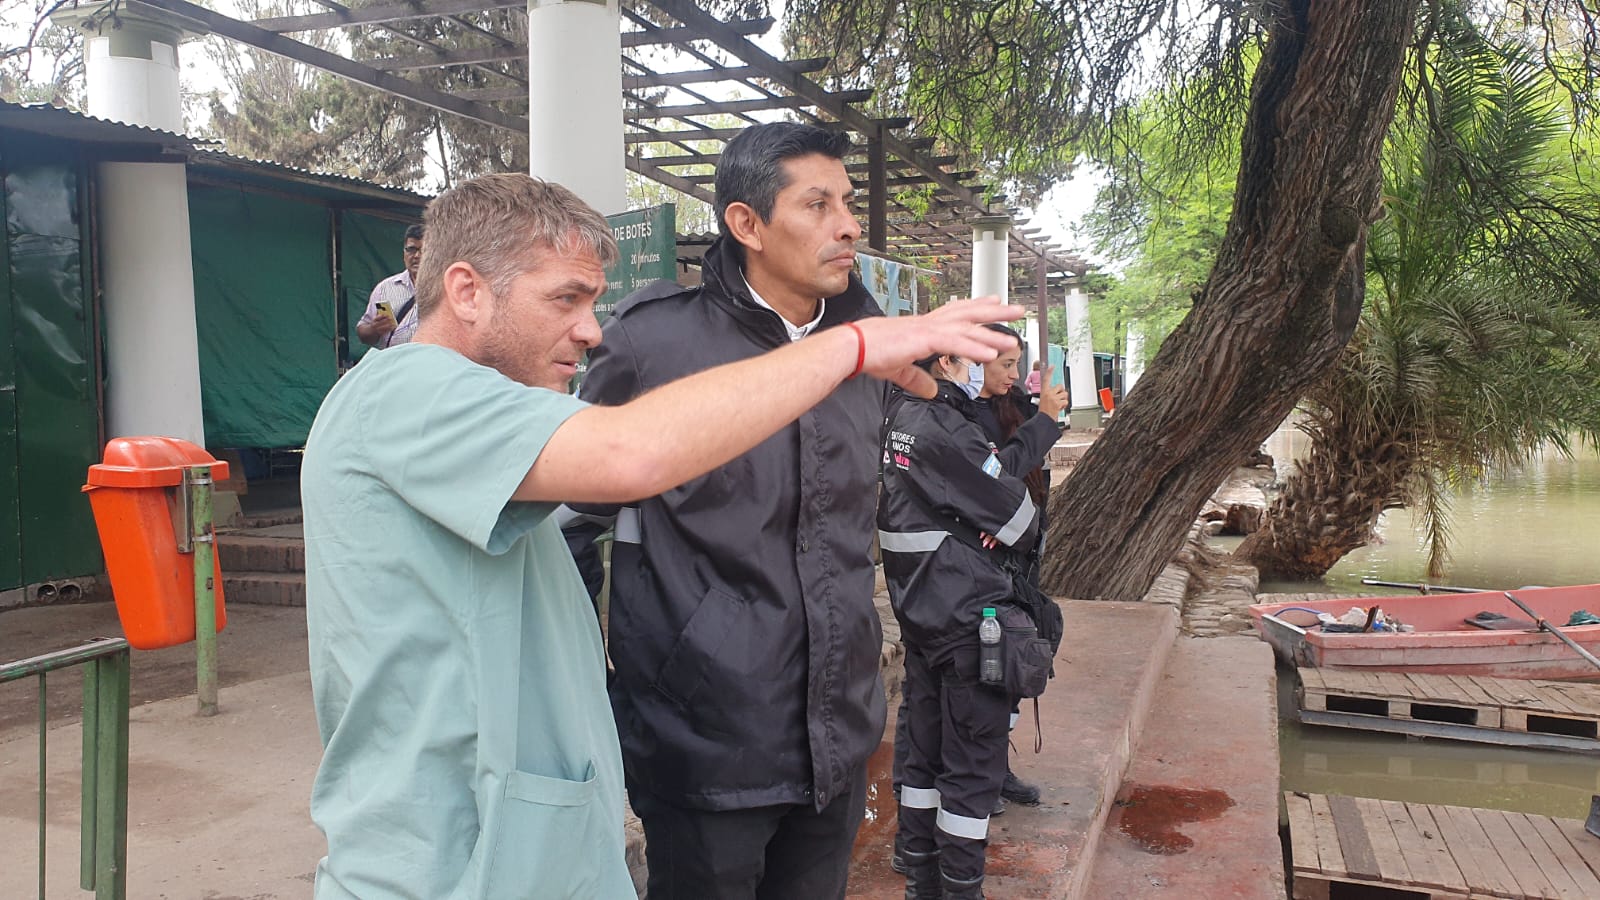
[732,107]
[494,94]
[470,55]
[277,44]
[380,13]
[674,137]
[707,76]
[646,168]
[690,15]
[459,56]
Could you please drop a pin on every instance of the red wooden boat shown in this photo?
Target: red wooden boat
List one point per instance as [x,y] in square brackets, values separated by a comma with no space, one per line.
[1443,642]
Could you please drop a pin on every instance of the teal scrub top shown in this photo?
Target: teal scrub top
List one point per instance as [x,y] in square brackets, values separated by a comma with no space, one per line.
[456,662]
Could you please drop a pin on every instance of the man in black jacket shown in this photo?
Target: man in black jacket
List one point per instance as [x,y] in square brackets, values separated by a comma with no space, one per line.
[742,626]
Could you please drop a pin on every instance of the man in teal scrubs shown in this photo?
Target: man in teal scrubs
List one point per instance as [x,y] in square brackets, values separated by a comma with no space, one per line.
[457,669]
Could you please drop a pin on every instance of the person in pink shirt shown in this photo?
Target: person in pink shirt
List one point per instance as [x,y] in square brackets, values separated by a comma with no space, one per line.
[1034,382]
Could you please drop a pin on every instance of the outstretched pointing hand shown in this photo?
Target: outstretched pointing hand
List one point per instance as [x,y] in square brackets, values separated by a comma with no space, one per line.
[894,345]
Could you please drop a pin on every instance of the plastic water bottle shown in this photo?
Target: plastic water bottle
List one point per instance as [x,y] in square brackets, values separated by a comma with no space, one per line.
[989,668]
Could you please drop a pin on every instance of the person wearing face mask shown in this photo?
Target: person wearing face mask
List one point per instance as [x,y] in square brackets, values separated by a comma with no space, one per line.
[1003,407]
[954,505]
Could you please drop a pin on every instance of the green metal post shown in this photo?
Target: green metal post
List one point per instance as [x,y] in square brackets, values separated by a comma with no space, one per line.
[44,727]
[103,846]
[111,800]
[205,594]
[90,791]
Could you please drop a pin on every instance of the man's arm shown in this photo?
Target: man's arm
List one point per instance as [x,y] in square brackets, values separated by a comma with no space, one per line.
[374,326]
[691,426]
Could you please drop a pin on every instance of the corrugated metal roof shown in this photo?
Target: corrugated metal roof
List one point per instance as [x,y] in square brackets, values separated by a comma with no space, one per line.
[233,161]
[54,121]
[51,121]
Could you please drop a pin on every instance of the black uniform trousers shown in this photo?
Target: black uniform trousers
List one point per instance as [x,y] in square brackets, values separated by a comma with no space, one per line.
[785,852]
[956,732]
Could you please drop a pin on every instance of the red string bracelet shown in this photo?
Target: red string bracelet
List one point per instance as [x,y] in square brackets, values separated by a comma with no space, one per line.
[861,348]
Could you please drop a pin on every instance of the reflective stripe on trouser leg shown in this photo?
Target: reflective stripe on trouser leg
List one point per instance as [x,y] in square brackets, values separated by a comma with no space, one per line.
[919,798]
[962,826]
[1014,718]
[973,761]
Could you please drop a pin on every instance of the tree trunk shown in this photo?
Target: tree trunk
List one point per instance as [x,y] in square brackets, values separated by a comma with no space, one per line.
[1281,301]
[1328,507]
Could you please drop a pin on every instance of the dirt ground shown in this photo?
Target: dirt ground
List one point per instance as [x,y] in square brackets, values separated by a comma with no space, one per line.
[258,642]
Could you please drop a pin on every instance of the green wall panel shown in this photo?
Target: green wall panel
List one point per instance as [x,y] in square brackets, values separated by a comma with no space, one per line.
[264,310]
[55,437]
[369,251]
[10,486]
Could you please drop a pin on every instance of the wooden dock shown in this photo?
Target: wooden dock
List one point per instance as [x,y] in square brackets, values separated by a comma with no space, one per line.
[1555,715]
[1436,852]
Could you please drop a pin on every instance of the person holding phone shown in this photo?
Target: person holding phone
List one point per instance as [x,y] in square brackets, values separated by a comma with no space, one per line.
[391,316]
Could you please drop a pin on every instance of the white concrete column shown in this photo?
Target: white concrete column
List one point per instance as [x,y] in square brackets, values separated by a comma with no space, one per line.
[1133,361]
[152,351]
[1080,361]
[575,99]
[152,346]
[991,268]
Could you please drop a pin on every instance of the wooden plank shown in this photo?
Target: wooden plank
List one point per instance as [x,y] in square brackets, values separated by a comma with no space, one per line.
[1477,859]
[1310,677]
[1385,844]
[1303,854]
[1436,687]
[1531,881]
[1471,689]
[1420,864]
[1586,845]
[1394,684]
[1502,692]
[1330,848]
[1316,702]
[1545,858]
[1584,698]
[1332,678]
[1354,844]
[1552,700]
[1585,880]
[1427,851]
[1375,683]
[1314,887]
[1308,887]
[1517,693]
[1513,719]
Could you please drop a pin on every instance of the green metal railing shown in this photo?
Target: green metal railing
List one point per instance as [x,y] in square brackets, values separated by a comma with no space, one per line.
[103,855]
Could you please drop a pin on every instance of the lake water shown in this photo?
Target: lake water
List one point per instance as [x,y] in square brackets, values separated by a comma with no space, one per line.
[1536,524]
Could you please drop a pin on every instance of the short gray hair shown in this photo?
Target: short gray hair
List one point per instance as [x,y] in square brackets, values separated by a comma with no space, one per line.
[502,225]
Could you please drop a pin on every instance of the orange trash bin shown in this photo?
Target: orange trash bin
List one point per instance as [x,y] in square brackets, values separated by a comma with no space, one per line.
[135,491]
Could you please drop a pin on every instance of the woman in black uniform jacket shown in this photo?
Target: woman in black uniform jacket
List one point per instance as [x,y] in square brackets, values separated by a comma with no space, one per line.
[952,503]
[1003,406]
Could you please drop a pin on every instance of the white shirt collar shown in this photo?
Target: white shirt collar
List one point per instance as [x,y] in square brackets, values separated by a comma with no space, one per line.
[796,332]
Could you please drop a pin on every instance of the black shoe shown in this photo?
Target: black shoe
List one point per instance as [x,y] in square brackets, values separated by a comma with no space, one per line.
[923,878]
[956,889]
[999,807]
[1018,791]
[897,859]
